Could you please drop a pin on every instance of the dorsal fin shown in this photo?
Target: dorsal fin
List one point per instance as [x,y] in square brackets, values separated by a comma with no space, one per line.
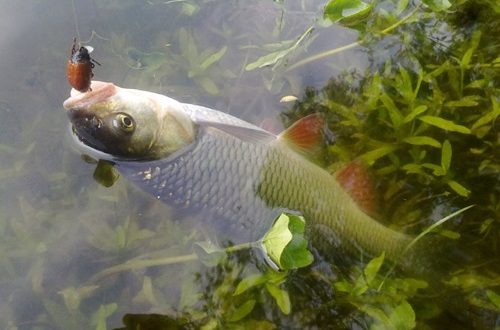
[206,117]
[355,178]
[306,134]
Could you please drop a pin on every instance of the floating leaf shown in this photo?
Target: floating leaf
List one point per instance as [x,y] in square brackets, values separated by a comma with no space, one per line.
[422,140]
[285,243]
[296,254]
[437,5]
[444,124]
[277,238]
[337,10]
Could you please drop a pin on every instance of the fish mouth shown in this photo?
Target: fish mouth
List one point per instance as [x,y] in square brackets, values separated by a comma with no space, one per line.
[86,128]
[100,91]
[87,125]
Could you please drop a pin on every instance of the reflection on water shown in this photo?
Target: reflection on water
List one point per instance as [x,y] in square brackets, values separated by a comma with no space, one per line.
[59,228]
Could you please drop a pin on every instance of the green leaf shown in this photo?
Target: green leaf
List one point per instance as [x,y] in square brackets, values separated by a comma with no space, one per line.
[415,112]
[377,314]
[489,117]
[281,297]
[187,46]
[277,238]
[190,9]
[444,124]
[466,101]
[437,170]
[336,10]
[373,267]
[296,254]
[371,156]
[449,234]
[73,296]
[275,57]
[394,112]
[422,140]
[458,188]
[434,226]
[105,174]
[494,298]
[446,154]
[208,85]
[405,88]
[285,243]
[212,59]
[241,311]
[467,57]
[99,317]
[249,282]
[403,317]
[485,225]
[437,5]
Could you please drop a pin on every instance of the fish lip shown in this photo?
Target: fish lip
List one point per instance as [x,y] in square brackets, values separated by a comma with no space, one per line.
[100,91]
[86,126]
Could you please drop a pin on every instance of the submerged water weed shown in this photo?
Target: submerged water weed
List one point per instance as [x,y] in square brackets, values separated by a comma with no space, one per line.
[427,123]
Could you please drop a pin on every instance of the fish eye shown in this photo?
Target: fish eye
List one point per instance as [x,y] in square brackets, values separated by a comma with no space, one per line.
[124,122]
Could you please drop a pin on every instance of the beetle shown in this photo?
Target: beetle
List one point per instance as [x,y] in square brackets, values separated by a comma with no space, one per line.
[79,67]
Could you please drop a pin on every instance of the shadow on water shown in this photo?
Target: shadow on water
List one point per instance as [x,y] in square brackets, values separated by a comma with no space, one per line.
[60,230]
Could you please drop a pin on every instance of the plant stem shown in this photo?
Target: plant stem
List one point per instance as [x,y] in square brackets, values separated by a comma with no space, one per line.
[351,45]
[139,264]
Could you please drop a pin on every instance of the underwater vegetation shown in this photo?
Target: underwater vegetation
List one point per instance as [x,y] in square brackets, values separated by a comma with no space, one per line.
[422,114]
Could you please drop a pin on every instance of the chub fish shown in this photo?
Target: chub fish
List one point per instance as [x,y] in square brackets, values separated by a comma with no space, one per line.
[239,176]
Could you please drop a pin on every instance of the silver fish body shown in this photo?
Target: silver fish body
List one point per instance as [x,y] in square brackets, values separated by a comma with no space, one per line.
[236,176]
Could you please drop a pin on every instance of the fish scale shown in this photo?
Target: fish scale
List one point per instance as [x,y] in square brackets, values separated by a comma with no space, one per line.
[224,184]
[235,176]
[249,186]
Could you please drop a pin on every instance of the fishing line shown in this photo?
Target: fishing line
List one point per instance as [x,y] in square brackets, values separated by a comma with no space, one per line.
[75,17]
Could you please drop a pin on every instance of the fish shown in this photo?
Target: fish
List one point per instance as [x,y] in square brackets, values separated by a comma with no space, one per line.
[238,176]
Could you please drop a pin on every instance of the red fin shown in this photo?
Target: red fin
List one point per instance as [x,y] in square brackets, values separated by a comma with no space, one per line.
[355,178]
[306,134]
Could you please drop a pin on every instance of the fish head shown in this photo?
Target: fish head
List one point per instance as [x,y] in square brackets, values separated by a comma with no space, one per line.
[128,124]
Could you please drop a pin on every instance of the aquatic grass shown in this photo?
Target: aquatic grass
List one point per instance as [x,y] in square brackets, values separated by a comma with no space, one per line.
[63,229]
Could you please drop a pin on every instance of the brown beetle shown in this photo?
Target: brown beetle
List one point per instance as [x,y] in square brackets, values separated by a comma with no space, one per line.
[79,68]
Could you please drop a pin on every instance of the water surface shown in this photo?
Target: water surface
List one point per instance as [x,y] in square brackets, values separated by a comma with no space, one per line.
[59,227]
